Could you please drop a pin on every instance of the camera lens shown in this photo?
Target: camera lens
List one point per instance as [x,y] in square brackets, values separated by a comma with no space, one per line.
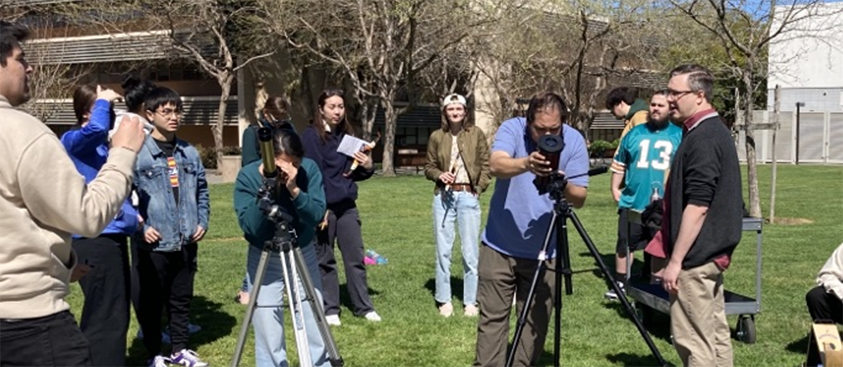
[551,144]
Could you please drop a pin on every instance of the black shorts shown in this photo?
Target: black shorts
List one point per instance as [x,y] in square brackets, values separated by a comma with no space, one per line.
[637,238]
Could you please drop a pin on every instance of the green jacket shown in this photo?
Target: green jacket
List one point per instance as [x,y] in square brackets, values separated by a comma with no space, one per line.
[474,149]
[307,209]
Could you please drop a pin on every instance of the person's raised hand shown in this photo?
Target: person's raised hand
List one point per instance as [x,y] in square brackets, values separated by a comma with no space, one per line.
[107,94]
[129,134]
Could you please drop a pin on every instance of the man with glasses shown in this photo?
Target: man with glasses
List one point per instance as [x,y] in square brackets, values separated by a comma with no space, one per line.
[518,220]
[701,225]
[174,205]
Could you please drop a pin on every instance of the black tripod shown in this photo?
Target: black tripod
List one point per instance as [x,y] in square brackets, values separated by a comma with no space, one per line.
[561,209]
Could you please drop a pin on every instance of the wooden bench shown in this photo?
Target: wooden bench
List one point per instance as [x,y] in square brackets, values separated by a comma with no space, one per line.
[411,157]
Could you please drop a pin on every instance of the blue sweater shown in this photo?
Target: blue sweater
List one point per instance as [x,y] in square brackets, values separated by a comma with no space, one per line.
[338,187]
[88,148]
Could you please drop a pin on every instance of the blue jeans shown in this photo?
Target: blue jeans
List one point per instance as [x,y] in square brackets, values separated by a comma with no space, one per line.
[268,320]
[462,207]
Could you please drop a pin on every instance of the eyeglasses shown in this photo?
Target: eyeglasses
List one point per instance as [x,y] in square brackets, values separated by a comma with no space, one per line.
[167,112]
[678,94]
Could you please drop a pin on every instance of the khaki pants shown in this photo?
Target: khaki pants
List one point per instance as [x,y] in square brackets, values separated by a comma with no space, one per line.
[698,318]
[501,276]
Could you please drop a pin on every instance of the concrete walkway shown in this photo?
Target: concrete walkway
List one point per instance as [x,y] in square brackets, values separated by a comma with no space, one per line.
[213,177]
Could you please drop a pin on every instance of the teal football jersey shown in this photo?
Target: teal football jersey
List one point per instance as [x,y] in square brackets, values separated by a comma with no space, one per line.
[644,155]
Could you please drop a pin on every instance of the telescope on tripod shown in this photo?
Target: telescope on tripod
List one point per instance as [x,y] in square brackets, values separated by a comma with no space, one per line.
[550,146]
[285,244]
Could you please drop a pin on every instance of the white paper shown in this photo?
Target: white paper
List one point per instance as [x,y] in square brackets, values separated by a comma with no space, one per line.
[350,145]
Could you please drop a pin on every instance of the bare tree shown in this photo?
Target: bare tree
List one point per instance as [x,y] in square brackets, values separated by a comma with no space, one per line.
[52,78]
[745,29]
[577,49]
[195,25]
[218,36]
[381,46]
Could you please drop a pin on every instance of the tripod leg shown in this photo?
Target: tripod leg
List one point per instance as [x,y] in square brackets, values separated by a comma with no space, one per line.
[627,307]
[564,255]
[317,309]
[563,267]
[540,269]
[291,283]
[250,308]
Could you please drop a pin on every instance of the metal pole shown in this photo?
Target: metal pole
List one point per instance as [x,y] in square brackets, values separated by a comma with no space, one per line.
[776,109]
[798,106]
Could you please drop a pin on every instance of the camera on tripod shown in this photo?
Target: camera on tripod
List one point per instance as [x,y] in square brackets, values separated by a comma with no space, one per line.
[550,146]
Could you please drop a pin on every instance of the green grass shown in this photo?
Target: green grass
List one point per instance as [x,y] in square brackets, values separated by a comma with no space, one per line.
[396,215]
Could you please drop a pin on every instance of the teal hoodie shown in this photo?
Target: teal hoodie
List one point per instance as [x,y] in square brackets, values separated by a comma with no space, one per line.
[307,209]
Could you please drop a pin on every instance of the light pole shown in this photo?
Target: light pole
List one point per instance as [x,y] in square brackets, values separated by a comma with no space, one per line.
[798,106]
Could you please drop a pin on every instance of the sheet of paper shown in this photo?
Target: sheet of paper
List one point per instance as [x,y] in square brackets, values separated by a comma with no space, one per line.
[350,145]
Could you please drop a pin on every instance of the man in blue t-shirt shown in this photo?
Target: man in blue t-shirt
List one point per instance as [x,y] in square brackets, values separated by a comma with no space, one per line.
[518,221]
[641,162]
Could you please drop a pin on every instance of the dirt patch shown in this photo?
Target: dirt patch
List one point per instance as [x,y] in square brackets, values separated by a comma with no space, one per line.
[792,221]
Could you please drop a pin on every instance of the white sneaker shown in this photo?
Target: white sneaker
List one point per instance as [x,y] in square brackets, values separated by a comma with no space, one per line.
[158,361]
[446,309]
[333,320]
[471,310]
[611,293]
[373,316]
[187,358]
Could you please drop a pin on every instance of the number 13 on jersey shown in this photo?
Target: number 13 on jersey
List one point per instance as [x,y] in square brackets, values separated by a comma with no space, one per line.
[661,151]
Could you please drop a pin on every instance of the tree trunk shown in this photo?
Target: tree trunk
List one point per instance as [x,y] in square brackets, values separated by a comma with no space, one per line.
[390,120]
[225,81]
[368,111]
[751,164]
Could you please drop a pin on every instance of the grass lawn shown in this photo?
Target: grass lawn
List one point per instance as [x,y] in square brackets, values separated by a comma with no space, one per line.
[396,216]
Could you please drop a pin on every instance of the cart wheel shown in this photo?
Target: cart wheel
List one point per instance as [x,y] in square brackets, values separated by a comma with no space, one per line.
[746,329]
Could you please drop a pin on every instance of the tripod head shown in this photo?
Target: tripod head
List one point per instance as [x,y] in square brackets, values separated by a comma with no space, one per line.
[555,183]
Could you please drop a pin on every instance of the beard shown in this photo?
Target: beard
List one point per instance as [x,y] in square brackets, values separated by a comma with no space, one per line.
[659,123]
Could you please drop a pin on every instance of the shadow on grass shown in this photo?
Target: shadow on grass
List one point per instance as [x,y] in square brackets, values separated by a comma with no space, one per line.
[799,345]
[345,296]
[457,288]
[655,322]
[215,324]
[635,360]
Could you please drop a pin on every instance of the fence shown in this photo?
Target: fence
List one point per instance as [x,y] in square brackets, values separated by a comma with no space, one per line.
[819,138]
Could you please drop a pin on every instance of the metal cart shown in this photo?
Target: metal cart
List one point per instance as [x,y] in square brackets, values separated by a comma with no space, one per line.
[653,297]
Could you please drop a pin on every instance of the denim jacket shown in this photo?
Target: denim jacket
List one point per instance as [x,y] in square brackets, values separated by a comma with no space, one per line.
[176,222]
